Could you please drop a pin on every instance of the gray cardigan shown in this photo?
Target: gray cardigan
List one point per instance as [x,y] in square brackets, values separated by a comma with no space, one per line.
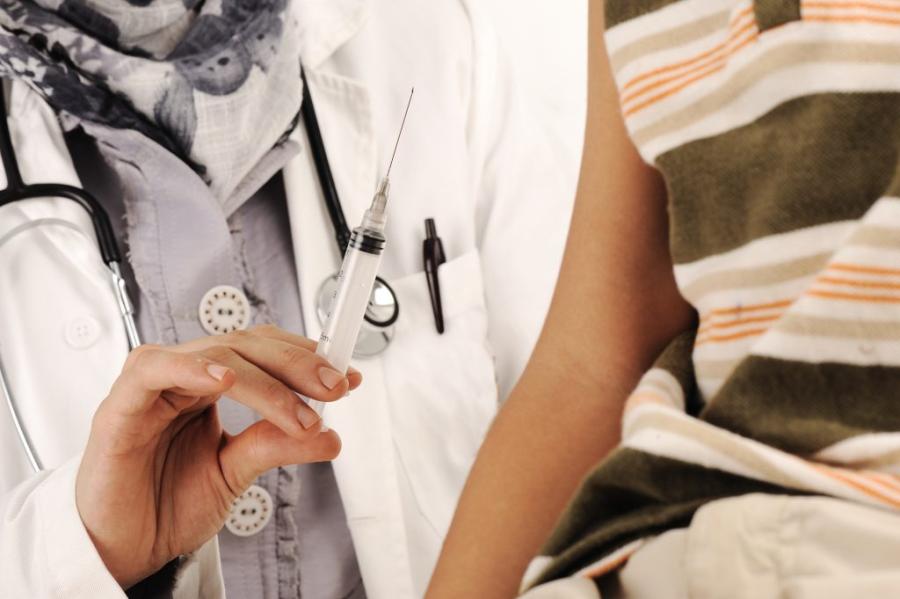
[180,242]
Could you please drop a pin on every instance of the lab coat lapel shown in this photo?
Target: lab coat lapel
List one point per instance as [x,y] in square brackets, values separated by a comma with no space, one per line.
[325,25]
[365,470]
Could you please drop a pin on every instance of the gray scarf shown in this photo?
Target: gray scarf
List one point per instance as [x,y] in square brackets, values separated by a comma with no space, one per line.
[216,82]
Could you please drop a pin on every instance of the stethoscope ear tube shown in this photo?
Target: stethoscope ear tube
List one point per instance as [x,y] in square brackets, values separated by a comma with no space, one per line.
[109,249]
[16,190]
[323,168]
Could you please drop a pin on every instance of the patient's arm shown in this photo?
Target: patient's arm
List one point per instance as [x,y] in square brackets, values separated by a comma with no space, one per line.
[615,308]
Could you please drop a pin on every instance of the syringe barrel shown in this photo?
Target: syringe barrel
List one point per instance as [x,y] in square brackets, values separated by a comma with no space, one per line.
[351,298]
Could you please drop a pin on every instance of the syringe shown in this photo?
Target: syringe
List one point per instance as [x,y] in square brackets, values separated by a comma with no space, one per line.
[356,279]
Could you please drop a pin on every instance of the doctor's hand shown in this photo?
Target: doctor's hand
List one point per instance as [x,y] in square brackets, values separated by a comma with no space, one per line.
[159,473]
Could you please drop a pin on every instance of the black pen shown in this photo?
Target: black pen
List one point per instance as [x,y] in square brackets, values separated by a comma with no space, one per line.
[433,255]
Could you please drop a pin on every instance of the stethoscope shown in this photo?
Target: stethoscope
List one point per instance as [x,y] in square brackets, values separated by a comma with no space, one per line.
[382,313]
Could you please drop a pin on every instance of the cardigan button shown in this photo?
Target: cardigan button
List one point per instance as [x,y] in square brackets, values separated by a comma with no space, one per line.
[250,512]
[224,309]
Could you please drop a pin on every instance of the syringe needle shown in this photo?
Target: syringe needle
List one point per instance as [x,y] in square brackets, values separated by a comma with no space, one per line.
[402,124]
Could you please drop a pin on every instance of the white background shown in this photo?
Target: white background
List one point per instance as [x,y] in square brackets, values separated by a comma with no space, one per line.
[547,41]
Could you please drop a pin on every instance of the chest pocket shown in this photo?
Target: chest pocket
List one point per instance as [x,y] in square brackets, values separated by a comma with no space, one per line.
[442,388]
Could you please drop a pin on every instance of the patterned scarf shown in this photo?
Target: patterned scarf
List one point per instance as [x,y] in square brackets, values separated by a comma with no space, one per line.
[217,82]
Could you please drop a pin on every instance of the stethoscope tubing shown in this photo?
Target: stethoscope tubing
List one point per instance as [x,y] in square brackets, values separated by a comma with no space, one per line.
[16,190]
[323,168]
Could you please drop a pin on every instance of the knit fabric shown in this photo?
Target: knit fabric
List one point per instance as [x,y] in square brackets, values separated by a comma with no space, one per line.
[776,125]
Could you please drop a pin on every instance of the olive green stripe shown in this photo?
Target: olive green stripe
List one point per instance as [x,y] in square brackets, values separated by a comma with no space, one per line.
[778,57]
[664,40]
[677,360]
[773,13]
[802,407]
[876,236]
[631,495]
[619,11]
[893,189]
[759,276]
[811,161]
[818,326]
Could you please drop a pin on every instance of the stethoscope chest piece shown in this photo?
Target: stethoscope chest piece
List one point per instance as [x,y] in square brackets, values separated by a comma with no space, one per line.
[378,328]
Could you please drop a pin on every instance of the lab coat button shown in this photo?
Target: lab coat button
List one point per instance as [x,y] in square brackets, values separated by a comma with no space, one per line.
[82,332]
[224,309]
[250,512]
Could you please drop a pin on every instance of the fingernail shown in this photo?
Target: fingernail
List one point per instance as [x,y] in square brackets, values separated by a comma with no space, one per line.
[352,370]
[307,417]
[330,377]
[217,371]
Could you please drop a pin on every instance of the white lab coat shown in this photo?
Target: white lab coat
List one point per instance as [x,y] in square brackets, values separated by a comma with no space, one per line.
[469,158]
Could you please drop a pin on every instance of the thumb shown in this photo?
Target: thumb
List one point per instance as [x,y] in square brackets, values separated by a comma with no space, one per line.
[264,446]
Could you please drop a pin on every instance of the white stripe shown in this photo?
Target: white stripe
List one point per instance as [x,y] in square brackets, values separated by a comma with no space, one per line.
[709,387]
[732,350]
[663,378]
[672,445]
[862,449]
[535,567]
[654,440]
[773,249]
[806,348]
[885,212]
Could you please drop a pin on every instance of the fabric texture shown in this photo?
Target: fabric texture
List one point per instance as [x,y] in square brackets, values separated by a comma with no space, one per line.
[776,128]
[759,547]
[215,82]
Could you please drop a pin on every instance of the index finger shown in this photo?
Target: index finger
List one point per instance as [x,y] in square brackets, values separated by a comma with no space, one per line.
[273,332]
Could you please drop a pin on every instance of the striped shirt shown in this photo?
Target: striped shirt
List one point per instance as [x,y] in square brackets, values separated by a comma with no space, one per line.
[776,125]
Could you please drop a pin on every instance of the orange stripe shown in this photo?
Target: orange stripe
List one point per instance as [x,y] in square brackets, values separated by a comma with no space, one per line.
[713,60]
[750,308]
[725,325]
[662,96]
[645,398]
[722,338]
[885,480]
[855,19]
[853,297]
[848,480]
[604,568]
[874,270]
[857,283]
[845,5]
[690,61]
